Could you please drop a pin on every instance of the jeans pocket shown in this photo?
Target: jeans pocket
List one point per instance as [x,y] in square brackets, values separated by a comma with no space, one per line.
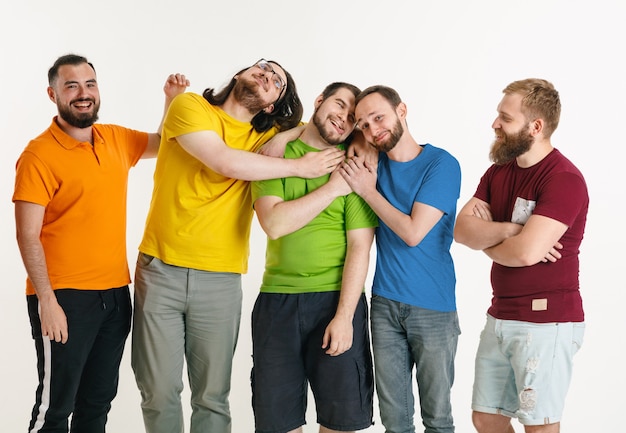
[144,260]
[578,334]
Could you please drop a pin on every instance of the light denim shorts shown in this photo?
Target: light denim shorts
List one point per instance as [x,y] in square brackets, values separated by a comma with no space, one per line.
[523,370]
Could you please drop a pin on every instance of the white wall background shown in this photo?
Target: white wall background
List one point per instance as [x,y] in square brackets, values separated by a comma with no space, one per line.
[449,60]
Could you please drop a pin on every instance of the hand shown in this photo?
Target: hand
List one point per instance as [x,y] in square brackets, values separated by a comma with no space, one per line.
[338,183]
[553,255]
[483,211]
[362,149]
[360,175]
[175,85]
[53,320]
[338,336]
[316,164]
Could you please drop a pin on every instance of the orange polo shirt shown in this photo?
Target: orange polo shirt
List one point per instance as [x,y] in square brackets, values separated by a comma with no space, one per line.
[83,189]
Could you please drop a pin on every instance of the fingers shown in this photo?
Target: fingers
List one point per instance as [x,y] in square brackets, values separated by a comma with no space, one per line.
[57,335]
[178,79]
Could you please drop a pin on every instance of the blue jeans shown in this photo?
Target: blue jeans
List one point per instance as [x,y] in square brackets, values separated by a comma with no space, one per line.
[403,337]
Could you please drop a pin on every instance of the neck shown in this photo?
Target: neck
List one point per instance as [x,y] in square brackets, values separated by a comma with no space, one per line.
[406,150]
[311,136]
[538,151]
[237,111]
[79,134]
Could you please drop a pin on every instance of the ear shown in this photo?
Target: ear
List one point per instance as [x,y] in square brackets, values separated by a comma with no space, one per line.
[318,101]
[536,127]
[401,110]
[268,109]
[51,94]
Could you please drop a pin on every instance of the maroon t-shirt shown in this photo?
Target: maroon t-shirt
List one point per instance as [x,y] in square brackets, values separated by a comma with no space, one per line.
[554,188]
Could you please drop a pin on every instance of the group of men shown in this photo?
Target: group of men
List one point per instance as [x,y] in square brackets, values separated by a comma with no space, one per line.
[322,191]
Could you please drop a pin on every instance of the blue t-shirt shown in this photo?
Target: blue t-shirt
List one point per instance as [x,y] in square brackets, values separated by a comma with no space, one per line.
[423,275]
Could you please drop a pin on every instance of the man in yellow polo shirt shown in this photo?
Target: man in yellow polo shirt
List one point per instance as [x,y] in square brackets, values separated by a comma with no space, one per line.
[70,210]
[195,246]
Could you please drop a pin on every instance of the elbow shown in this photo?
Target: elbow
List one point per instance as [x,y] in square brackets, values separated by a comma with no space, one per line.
[460,235]
[412,241]
[272,231]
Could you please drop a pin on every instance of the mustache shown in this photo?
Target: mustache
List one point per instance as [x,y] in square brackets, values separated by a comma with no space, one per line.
[92,100]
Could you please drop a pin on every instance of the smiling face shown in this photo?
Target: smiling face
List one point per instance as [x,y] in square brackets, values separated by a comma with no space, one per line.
[334,116]
[512,129]
[379,121]
[75,92]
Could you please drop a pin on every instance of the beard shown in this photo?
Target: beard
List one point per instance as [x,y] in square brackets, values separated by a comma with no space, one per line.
[394,136]
[246,93]
[326,132]
[81,120]
[511,146]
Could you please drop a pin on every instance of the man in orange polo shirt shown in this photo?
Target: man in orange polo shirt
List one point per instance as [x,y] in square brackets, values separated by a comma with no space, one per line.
[70,212]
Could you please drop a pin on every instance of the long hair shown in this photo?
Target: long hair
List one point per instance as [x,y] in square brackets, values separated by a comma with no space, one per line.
[287,111]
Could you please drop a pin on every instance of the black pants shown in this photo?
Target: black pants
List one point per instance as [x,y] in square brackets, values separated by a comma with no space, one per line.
[80,377]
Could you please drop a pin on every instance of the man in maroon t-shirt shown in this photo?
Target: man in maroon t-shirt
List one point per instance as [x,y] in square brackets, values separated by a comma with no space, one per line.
[528,215]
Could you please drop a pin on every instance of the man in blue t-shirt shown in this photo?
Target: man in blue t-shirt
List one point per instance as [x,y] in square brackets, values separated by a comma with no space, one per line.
[414,319]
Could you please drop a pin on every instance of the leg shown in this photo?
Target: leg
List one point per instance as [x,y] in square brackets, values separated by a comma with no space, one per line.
[98,385]
[393,366]
[491,423]
[343,385]
[61,366]
[212,327]
[278,380]
[433,337]
[158,342]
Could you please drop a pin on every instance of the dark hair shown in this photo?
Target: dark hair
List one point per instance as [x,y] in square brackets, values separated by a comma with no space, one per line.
[332,88]
[67,59]
[287,111]
[386,92]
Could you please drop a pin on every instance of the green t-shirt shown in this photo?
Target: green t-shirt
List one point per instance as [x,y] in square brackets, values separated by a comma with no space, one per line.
[310,259]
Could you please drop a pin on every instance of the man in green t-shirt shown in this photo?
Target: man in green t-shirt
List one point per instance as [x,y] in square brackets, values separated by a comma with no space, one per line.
[309,323]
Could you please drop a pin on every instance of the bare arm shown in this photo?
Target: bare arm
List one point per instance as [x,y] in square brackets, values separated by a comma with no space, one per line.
[538,241]
[28,222]
[362,149]
[278,217]
[175,84]
[410,228]
[210,149]
[476,229]
[276,145]
[339,333]
[507,243]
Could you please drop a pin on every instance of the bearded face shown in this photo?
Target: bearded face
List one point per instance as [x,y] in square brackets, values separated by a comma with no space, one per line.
[76,118]
[385,145]
[509,146]
[246,92]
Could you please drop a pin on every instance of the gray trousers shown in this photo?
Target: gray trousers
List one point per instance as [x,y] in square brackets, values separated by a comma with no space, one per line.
[180,315]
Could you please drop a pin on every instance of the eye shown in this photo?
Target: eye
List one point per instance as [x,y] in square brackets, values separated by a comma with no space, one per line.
[277,82]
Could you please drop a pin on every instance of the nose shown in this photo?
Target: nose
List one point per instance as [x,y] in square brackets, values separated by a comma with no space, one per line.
[495,124]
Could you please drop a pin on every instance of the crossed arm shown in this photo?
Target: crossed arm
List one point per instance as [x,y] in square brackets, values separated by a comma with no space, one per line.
[507,243]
